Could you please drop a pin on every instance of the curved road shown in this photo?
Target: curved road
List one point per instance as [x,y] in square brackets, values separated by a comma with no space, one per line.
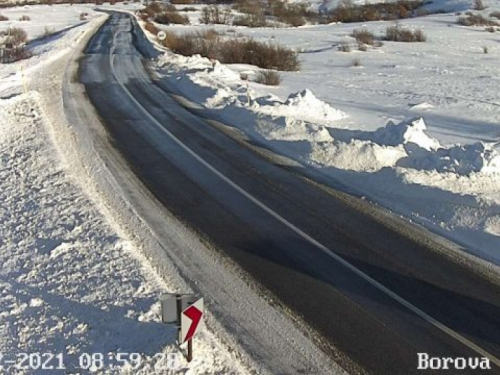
[366,283]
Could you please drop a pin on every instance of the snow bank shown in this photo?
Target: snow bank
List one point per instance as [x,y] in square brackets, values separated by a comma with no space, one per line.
[412,131]
[357,155]
[53,238]
[463,160]
[450,188]
[304,106]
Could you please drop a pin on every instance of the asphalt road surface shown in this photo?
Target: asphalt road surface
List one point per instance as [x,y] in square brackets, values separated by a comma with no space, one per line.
[368,288]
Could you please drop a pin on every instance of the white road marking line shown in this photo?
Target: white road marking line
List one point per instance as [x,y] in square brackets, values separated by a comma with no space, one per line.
[305,236]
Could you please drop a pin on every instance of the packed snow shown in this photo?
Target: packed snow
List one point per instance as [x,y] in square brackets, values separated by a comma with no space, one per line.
[71,282]
[416,128]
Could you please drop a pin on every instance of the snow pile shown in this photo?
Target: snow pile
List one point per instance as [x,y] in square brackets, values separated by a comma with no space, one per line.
[304,106]
[359,156]
[68,282]
[463,160]
[412,131]
[292,130]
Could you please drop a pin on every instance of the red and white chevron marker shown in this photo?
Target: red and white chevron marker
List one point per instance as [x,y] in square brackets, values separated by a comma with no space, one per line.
[190,320]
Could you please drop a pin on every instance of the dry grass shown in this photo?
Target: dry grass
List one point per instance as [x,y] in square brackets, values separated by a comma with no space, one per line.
[268,77]
[149,26]
[399,34]
[362,47]
[213,15]
[242,51]
[347,12]
[171,17]
[344,47]
[251,20]
[363,36]
[476,20]
[356,63]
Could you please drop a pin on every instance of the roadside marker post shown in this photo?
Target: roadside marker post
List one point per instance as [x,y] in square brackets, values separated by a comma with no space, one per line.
[186,312]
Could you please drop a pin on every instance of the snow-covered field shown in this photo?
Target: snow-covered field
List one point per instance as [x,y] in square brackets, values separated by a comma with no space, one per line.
[416,127]
[72,285]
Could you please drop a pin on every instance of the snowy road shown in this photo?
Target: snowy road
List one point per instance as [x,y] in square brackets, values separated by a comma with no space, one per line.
[395,292]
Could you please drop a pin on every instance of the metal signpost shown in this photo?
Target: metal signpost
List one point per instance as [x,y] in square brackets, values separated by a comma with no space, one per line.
[186,311]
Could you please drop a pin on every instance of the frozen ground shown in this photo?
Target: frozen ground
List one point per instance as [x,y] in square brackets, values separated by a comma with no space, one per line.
[416,128]
[71,282]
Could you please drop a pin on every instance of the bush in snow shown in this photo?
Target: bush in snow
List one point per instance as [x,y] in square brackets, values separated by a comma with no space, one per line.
[268,77]
[495,14]
[347,11]
[398,34]
[344,47]
[171,17]
[24,18]
[3,18]
[251,20]
[363,36]
[476,20]
[16,36]
[212,14]
[241,51]
[356,63]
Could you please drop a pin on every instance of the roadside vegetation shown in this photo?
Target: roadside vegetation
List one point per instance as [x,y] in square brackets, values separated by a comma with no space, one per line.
[471,19]
[165,14]
[268,77]
[232,50]
[15,39]
[397,33]
[348,12]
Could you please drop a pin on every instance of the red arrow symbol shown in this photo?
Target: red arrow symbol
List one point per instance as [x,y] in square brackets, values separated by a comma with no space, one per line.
[195,315]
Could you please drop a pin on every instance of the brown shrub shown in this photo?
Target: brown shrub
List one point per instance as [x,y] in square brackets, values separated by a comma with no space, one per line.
[348,12]
[495,14]
[24,18]
[476,20]
[344,47]
[3,18]
[151,27]
[244,51]
[356,63]
[268,77]
[363,36]
[419,36]
[167,18]
[17,36]
[251,20]
[399,34]
[212,14]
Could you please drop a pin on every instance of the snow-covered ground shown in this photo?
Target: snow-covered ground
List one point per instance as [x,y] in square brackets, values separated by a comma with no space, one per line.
[71,281]
[416,127]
